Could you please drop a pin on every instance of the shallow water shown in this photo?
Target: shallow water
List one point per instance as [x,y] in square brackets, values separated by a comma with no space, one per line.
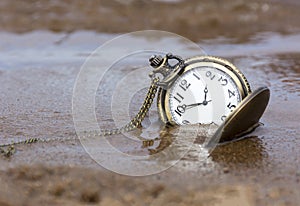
[36,106]
[39,63]
[274,66]
[38,71]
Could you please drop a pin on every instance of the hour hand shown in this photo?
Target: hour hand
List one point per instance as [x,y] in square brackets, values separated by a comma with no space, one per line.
[193,105]
[196,104]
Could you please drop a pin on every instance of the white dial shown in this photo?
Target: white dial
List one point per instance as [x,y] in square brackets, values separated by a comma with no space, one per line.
[202,95]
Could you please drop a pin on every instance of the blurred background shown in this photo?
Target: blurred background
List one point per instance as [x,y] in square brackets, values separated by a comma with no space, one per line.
[194,19]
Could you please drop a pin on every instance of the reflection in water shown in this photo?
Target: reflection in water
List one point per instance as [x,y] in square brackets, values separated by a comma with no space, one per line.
[192,141]
[185,148]
[133,155]
[158,147]
[194,134]
[177,137]
[246,152]
[165,140]
[162,141]
[184,143]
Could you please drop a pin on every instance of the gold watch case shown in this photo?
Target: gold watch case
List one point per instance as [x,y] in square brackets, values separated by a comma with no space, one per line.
[193,62]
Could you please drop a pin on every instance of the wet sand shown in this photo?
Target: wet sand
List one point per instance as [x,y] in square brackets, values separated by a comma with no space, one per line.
[38,70]
[36,98]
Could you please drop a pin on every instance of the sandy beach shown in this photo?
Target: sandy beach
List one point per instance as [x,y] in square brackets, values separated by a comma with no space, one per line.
[43,45]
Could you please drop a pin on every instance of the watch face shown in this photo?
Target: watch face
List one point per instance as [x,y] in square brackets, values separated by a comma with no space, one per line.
[203,95]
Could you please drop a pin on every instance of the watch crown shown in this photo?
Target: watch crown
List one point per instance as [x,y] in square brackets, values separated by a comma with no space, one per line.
[156,61]
[162,66]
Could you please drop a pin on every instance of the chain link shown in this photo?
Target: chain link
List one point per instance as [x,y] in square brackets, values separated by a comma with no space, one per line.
[133,124]
[140,116]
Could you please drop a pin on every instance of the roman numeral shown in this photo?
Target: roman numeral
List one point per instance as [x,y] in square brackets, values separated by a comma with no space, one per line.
[195,75]
[178,97]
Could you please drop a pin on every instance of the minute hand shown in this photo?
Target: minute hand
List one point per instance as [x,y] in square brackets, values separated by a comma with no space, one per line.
[205,93]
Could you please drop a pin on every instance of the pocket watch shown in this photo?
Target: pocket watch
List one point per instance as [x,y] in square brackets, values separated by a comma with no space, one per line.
[201,89]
